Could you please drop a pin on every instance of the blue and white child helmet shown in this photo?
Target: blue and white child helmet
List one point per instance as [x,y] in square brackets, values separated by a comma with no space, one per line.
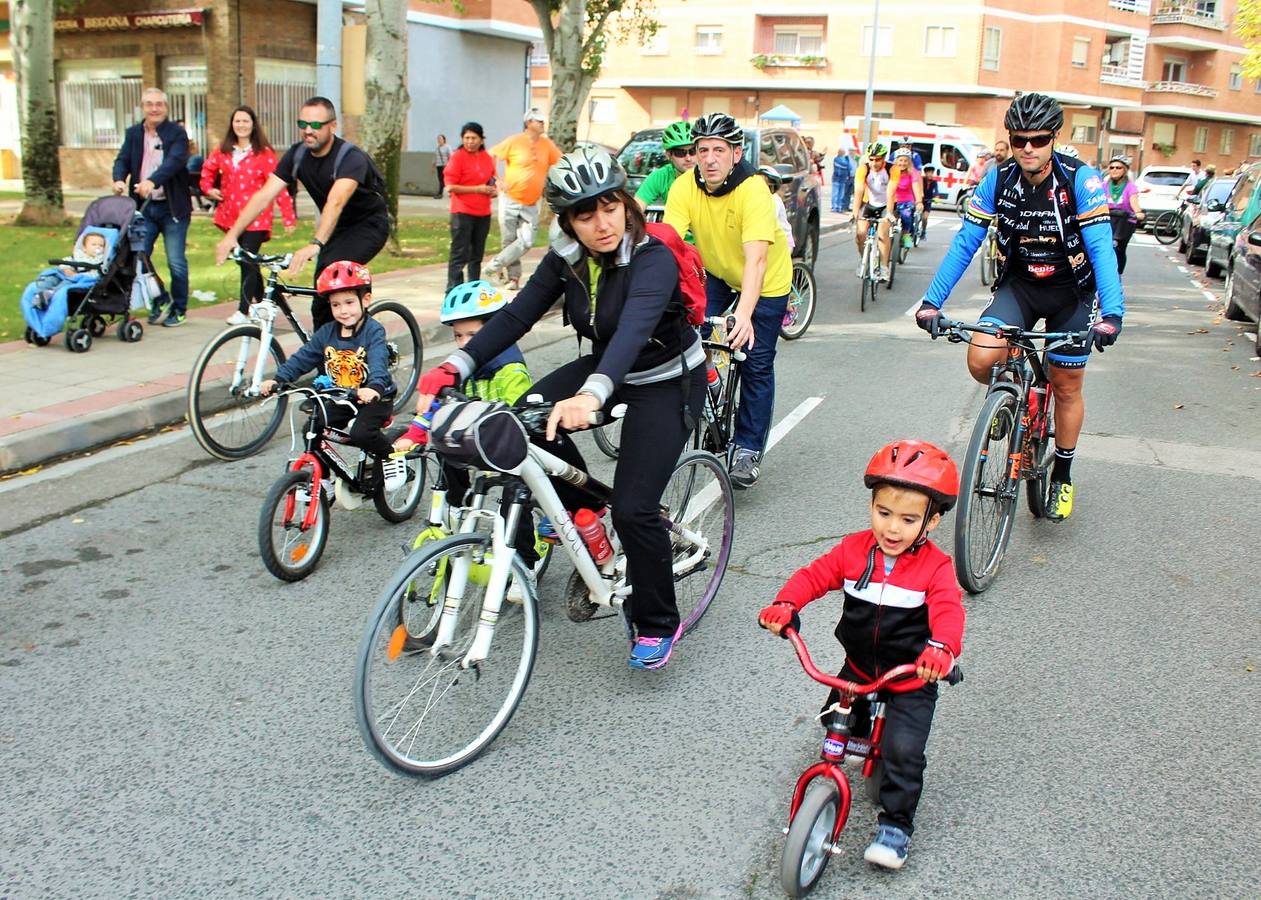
[471,300]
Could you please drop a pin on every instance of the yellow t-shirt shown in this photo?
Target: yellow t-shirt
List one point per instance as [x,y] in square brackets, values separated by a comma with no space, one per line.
[723,225]
[527,165]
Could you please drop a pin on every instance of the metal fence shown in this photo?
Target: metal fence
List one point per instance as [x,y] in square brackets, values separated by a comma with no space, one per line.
[95,113]
[278,104]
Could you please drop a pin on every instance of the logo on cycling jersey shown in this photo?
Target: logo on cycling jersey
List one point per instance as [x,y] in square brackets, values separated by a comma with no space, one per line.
[1041,270]
[1094,183]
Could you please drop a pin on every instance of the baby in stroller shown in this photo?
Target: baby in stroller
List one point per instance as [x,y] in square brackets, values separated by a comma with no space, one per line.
[45,302]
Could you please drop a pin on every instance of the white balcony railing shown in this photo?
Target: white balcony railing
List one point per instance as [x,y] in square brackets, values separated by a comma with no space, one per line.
[1119,75]
[1181,87]
[1187,14]
[1143,7]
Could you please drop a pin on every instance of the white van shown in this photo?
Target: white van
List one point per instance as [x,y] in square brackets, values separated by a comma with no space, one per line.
[950,148]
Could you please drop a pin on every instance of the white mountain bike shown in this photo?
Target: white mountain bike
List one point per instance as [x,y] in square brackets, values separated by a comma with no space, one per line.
[445,660]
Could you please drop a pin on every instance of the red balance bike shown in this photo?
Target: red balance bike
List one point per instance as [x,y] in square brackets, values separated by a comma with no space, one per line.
[821,800]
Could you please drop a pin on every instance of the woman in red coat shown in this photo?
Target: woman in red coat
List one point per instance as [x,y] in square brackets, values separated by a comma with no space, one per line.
[230,176]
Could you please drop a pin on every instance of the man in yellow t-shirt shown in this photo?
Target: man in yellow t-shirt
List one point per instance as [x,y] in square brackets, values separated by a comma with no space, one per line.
[527,156]
[732,218]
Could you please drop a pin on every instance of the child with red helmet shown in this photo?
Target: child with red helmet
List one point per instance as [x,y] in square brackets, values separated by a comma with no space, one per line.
[353,352]
[902,604]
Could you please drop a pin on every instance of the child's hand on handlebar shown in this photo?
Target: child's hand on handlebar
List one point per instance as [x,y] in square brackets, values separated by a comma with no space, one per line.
[572,414]
[778,616]
[934,662]
[267,387]
[367,395]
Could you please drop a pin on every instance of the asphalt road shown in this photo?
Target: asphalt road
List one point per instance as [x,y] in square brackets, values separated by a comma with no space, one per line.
[177,722]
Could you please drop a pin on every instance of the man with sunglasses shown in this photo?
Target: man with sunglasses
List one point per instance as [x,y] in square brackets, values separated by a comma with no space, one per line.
[347,188]
[1055,257]
[676,141]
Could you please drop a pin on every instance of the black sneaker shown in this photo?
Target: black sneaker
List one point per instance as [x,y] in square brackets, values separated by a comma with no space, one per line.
[156,313]
[174,320]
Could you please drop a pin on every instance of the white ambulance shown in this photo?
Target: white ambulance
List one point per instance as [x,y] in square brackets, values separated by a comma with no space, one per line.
[950,148]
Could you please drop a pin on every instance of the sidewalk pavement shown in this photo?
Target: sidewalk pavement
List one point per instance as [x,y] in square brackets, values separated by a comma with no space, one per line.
[58,403]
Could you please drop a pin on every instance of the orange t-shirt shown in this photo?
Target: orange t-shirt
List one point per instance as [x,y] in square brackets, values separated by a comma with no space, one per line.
[527,165]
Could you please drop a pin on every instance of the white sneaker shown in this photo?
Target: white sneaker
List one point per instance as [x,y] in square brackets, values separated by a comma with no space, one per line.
[238,318]
[516,593]
[882,274]
[394,472]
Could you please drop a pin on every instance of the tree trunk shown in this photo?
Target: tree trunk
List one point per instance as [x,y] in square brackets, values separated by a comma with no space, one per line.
[385,95]
[32,35]
[570,82]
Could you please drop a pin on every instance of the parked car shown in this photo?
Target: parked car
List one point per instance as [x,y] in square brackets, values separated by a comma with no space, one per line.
[1242,205]
[777,146]
[595,145]
[1243,277]
[1158,188]
[1206,210]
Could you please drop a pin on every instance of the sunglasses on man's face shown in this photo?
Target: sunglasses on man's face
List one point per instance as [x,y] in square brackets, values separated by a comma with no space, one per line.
[682,152]
[1018,141]
[303,125]
[1117,167]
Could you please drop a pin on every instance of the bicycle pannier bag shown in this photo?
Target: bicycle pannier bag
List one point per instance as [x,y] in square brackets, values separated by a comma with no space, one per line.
[481,434]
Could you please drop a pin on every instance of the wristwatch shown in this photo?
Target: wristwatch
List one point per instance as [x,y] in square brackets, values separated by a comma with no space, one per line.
[317,242]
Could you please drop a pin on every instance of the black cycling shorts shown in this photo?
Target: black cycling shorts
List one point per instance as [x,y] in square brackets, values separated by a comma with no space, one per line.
[873,212]
[1023,303]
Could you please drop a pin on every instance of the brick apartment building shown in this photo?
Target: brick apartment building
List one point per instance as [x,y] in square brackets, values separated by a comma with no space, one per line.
[211,55]
[1158,80]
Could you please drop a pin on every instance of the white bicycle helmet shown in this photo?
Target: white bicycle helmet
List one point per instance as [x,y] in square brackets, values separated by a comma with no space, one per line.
[471,300]
[582,175]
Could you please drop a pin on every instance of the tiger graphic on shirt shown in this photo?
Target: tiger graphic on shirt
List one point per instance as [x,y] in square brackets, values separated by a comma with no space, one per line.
[347,368]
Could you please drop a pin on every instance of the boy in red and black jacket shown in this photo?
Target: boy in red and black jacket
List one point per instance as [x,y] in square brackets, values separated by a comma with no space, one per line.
[902,605]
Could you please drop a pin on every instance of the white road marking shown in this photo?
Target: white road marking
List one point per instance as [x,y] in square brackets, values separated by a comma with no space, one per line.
[1182,269]
[792,420]
[1210,296]
[914,308]
[705,499]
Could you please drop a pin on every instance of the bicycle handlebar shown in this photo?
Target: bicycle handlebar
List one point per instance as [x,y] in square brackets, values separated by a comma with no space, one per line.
[1015,334]
[277,262]
[345,396]
[899,679]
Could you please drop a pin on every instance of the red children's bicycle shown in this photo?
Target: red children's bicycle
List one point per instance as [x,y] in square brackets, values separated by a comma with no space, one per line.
[821,800]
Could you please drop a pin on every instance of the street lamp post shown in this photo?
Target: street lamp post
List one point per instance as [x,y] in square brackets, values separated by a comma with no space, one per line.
[868,122]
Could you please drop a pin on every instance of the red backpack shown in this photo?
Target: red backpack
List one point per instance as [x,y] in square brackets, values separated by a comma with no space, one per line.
[691,270]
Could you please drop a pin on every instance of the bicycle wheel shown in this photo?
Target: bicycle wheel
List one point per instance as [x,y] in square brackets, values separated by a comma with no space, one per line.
[609,438]
[800,303]
[893,261]
[698,499]
[406,346]
[1165,229]
[289,551]
[228,423]
[429,711]
[1038,487]
[983,519]
[808,846]
[400,504]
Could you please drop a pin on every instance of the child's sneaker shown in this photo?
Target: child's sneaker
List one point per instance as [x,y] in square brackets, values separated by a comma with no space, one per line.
[394,474]
[650,652]
[888,848]
[546,531]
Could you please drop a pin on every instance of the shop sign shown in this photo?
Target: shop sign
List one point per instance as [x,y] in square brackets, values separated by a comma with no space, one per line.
[166,18]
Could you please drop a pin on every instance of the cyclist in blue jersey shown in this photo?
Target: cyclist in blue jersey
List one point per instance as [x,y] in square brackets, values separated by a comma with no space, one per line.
[1055,262]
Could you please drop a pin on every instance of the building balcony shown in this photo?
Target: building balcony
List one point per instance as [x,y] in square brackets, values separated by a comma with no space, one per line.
[1181,87]
[788,61]
[1188,14]
[1119,75]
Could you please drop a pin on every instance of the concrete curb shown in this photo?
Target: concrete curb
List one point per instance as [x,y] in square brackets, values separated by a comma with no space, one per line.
[96,430]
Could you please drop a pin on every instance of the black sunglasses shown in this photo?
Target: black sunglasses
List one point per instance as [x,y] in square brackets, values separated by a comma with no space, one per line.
[681,152]
[314,126]
[1018,141]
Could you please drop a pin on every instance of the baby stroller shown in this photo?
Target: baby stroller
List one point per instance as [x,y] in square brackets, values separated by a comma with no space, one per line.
[97,295]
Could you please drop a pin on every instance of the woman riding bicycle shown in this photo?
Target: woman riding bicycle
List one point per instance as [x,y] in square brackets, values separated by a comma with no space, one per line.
[620,289]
